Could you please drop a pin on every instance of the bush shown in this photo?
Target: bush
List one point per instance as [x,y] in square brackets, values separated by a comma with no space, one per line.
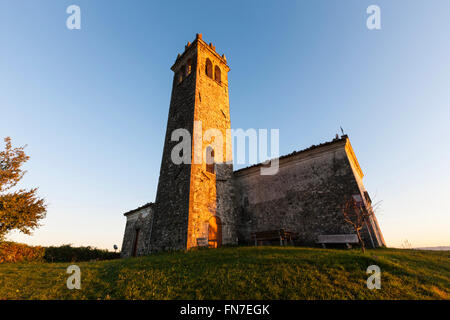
[19,252]
[67,253]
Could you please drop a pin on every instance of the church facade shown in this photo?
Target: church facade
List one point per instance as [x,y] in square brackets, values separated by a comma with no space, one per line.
[207,203]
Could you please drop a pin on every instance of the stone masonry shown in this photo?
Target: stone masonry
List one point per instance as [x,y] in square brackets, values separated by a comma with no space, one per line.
[305,196]
[203,193]
[139,224]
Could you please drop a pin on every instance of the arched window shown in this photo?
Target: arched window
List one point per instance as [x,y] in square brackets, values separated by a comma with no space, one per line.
[210,160]
[209,68]
[217,75]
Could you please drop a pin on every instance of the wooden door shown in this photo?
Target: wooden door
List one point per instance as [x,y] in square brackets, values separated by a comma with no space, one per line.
[135,244]
[214,232]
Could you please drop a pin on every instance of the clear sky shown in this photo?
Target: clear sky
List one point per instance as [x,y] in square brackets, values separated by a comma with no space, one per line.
[92,104]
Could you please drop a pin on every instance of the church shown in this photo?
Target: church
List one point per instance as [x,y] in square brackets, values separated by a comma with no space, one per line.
[207,203]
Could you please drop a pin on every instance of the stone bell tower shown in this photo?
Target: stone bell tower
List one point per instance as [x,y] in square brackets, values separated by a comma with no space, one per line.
[194,201]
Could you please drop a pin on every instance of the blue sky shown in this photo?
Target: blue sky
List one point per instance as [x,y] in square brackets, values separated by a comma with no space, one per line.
[92,104]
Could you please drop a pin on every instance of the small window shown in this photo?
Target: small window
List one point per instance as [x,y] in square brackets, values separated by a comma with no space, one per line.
[217,74]
[189,67]
[209,68]
[210,160]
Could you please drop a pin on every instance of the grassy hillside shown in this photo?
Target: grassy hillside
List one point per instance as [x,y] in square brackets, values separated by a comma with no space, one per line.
[239,273]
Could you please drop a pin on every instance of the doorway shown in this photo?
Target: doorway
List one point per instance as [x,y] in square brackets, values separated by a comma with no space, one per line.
[135,244]
[214,232]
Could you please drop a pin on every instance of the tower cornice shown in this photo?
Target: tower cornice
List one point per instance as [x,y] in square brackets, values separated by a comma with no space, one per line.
[193,46]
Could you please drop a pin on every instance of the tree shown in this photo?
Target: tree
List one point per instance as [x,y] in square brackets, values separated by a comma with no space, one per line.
[356,214]
[22,209]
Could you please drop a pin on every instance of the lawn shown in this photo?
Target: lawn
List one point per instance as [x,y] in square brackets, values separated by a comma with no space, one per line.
[239,273]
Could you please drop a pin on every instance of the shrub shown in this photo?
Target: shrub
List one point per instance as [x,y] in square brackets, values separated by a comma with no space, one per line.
[67,253]
[19,252]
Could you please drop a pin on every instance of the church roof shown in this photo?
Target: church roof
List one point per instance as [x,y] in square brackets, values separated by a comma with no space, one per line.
[344,137]
[139,208]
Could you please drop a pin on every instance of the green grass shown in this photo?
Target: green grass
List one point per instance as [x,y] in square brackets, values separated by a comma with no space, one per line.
[239,273]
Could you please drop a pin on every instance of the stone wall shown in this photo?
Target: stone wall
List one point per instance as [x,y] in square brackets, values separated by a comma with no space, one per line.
[172,197]
[305,196]
[225,203]
[138,220]
[186,197]
[208,192]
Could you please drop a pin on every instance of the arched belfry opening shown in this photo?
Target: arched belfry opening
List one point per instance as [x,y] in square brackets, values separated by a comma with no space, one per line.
[217,74]
[214,232]
[209,68]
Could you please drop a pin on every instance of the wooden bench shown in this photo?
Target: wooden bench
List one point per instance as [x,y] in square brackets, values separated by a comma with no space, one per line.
[202,242]
[346,239]
[270,235]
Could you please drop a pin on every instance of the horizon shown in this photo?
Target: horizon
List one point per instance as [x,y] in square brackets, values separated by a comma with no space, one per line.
[91,104]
